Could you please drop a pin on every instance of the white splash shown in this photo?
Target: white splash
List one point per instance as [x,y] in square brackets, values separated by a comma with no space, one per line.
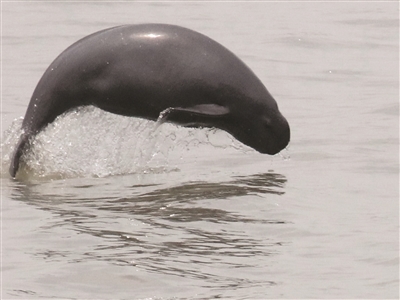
[89,142]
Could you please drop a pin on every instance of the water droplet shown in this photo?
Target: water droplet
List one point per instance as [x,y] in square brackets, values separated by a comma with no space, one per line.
[285,154]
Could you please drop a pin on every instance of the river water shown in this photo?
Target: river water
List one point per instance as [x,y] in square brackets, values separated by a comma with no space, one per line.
[114,207]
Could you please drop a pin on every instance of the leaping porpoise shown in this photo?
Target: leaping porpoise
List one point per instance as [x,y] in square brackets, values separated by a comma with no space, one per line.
[142,70]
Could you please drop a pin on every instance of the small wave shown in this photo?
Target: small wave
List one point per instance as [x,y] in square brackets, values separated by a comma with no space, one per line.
[89,142]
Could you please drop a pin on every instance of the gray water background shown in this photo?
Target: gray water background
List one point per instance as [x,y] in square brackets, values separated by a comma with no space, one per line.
[209,218]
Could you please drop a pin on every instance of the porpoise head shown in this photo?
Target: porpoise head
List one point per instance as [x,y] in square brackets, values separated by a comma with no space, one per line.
[259,125]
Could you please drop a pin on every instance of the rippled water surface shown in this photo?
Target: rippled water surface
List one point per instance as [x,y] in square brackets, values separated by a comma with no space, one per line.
[115,207]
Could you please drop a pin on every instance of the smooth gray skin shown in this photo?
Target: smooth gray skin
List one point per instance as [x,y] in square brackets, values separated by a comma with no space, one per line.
[141,70]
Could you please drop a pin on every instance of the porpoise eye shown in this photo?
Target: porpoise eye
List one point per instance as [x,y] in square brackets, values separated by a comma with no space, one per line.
[267,122]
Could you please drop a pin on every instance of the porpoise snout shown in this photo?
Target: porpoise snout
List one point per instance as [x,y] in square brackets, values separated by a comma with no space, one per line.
[282,135]
[278,136]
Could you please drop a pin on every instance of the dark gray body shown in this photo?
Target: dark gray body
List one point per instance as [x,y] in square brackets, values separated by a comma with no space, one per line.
[141,70]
